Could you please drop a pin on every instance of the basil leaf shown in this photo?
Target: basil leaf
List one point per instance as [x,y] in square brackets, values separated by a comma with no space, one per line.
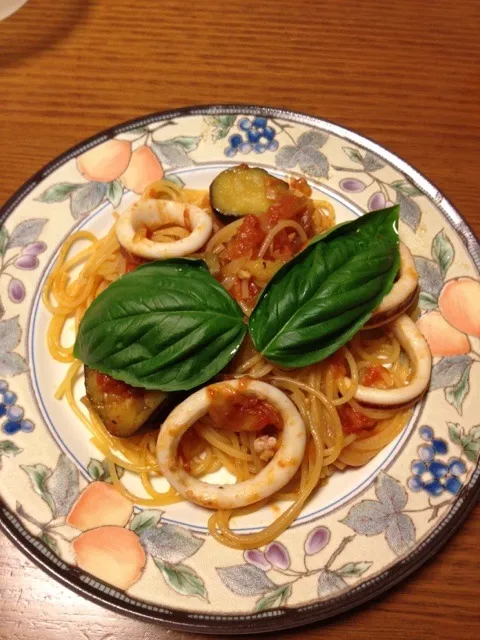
[167,325]
[316,302]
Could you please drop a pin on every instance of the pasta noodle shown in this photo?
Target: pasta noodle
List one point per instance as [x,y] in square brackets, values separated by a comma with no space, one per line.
[341,432]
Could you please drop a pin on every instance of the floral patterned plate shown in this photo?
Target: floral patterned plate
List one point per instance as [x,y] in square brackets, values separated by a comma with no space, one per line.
[363,532]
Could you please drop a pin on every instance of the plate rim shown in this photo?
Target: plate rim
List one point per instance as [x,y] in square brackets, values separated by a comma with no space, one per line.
[283,617]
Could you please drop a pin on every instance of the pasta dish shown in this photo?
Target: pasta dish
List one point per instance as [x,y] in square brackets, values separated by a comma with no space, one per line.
[238,328]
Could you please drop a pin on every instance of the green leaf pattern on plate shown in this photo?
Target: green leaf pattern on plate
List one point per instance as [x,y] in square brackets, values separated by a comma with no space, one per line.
[38,475]
[443,251]
[182,579]
[145,520]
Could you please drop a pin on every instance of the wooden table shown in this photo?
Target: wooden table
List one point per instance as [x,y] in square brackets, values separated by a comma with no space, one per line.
[405,74]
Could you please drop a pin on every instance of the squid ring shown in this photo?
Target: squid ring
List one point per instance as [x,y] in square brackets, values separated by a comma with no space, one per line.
[275,475]
[153,213]
[401,295]
[417,349]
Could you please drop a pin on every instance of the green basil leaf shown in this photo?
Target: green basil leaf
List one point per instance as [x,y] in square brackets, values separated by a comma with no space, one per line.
[316,302]
[167,325]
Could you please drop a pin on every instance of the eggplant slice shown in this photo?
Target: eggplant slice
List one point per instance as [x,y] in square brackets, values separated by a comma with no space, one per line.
[124,413]
[244,190]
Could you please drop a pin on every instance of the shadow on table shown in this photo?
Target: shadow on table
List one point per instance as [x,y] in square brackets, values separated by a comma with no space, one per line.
[38,26]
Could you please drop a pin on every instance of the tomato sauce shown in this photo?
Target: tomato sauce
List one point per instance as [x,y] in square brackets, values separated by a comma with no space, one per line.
[372,376]
[236,411]
[337,362]
[253,230]
[132,261]
[285,244]
[247,240]
[287,206]
[353,421]
[109,385]
[185,445]
[237,290]
[300,184]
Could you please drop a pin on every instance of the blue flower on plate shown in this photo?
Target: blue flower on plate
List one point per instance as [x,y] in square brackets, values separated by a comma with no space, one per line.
[14,414]
[431,474]
[255,134]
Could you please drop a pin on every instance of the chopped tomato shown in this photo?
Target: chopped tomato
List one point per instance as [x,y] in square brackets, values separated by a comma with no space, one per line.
[287,206]
[272,187]
[130,266]
[283,244]
[254,229]
[237,290]
[372,377]
[300,184]
[291,207]
[109,385]
[353,421]
[248,238]
[253,289]
[238,412]
[337,362]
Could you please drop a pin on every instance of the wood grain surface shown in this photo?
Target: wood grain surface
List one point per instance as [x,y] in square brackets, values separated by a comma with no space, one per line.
[403,73]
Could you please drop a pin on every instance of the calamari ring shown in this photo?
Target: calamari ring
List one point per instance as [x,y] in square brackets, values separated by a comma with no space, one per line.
[410,338]
[401,295]
[153,213]
[275,475]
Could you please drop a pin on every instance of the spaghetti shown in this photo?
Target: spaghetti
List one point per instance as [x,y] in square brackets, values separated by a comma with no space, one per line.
[341,432]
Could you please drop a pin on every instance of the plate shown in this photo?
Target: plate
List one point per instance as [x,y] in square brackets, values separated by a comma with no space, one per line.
[363,532]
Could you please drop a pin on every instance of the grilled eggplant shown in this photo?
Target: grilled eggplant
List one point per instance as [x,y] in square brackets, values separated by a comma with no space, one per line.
[123,409]
[244,190]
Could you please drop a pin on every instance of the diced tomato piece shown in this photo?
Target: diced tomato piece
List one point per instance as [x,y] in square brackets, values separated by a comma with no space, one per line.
[287,206]
[109,385]
[372,376]
[300,184]
[337,362]
[353,421]
[130,266]
[283,245]
[248,238]
[237,290]
[272,188]
[238,412]
[253,289]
